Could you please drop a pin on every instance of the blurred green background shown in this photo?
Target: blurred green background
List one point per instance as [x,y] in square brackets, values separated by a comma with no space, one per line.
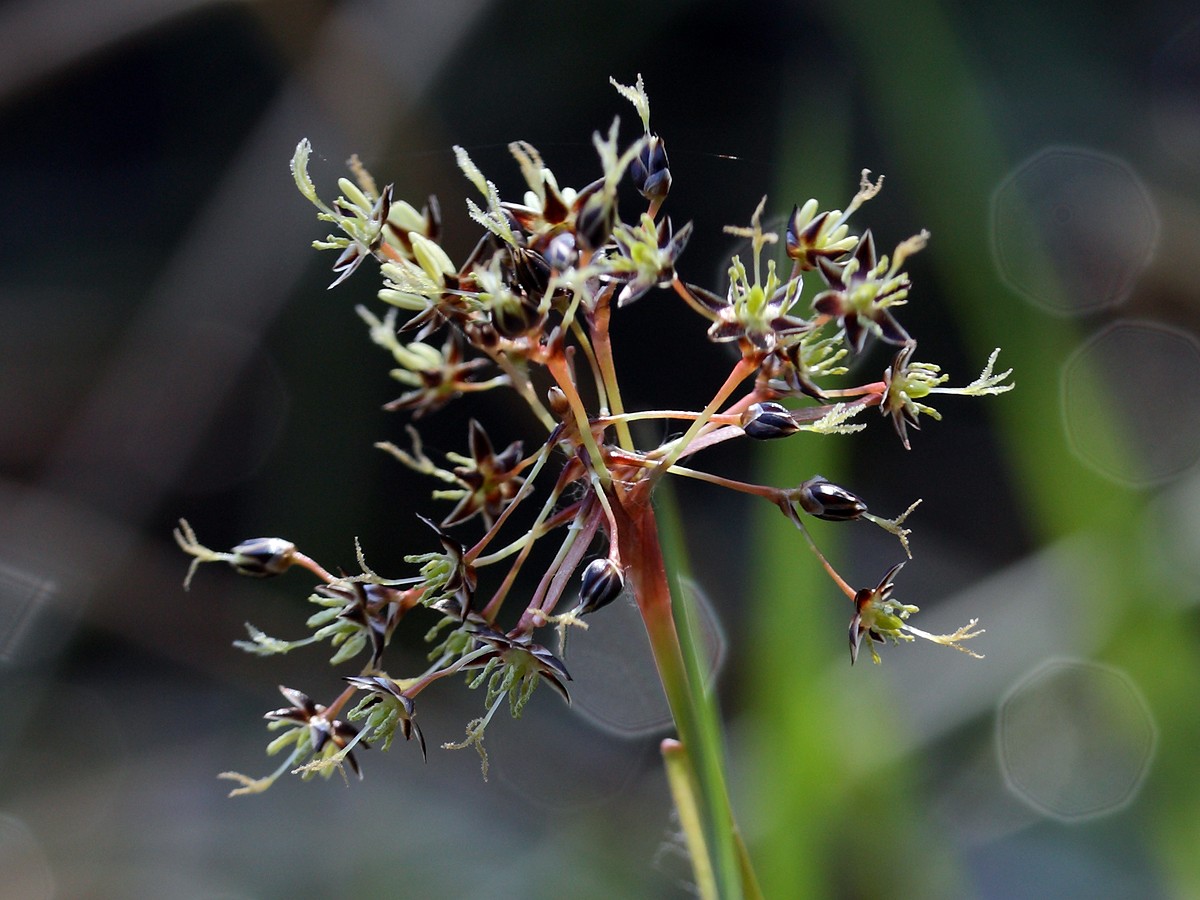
[167,348]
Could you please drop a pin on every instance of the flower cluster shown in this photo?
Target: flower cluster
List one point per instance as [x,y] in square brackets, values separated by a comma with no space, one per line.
[529,308]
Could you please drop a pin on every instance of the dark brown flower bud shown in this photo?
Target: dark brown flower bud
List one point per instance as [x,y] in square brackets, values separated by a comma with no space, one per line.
[595,216]
[560,252]
[768,420]
[532,273]
[826,500]
[482,334]
[803,238]
[262,557]
[602,584]
[651,170]
[559,405]
[515,317]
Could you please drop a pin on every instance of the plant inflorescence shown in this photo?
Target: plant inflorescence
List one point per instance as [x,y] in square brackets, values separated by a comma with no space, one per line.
[528,312]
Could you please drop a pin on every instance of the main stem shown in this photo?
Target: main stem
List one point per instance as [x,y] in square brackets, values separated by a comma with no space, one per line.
[700,754]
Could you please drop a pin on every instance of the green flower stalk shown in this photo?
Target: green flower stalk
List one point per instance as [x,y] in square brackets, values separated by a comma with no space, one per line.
[529,308]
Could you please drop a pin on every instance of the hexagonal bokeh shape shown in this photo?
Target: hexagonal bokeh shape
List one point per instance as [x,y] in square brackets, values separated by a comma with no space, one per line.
[1075,740]
[1130,401]
[1072,229]
[615,683]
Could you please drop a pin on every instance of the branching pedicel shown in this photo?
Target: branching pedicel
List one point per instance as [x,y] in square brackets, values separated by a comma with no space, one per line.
[531,305]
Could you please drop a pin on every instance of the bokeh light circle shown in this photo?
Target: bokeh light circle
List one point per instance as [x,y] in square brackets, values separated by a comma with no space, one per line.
[1131,402]
[551,759]
[1072,229]
[1075,740]
[616,685]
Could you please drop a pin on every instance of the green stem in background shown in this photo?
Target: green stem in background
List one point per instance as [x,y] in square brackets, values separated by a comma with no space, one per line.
[815,790]
[952,155]
[954,142]
[794,772]
[682,781]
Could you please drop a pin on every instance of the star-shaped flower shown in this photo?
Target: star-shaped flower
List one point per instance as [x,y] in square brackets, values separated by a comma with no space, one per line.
[514,666]
[907,382]
[863,290]
[812,236]
[386,708]
[646,256]
[756,309]
[489,480]
[880,618]
[448,580]
[323,732]
[364,610]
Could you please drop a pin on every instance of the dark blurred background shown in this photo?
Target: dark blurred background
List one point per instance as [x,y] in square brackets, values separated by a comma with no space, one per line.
[167,349]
